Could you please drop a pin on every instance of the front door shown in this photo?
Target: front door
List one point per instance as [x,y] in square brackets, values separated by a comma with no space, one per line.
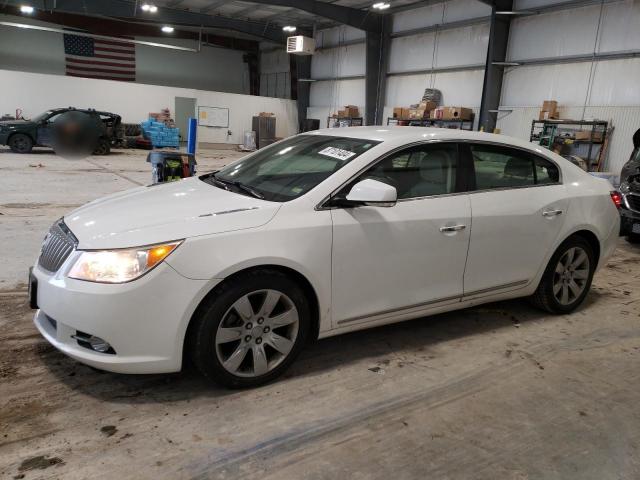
[518,207]
[390,261]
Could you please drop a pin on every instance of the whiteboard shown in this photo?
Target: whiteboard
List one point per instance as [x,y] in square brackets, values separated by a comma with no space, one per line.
[213,117]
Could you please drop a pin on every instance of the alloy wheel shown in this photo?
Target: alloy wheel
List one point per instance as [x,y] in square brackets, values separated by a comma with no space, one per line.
[257,333]
[571,275]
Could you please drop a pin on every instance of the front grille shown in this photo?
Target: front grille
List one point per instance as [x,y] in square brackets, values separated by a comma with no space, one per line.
[633,201]
[57,246]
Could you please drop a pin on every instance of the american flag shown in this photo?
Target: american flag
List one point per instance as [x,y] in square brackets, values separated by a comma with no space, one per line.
[97,58]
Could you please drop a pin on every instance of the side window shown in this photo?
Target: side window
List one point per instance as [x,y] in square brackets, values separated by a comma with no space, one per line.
[418,171]
[546,172]
[503,167]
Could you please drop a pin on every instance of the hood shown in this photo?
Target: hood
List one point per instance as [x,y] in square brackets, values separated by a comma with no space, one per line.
[16,123]
[164,212]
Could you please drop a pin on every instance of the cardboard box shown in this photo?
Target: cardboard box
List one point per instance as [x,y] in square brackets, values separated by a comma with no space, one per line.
[586,135]
[417,114]
[401,113]
[342,114]
[352,111]
[428,106]
[549,106]
[549,115]
[452,113]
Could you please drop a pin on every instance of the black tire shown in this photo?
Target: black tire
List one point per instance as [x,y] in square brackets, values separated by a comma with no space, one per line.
[544,297]
[201,341]
[131,129]
[20,143]
[103,148]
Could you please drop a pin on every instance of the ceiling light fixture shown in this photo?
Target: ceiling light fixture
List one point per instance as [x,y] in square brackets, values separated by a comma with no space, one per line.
[381,5]
[167,29]
[147,7]
[28,9]
[289,28]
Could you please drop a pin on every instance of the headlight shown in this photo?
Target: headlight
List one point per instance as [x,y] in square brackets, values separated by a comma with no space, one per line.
[120,266]
[624,187]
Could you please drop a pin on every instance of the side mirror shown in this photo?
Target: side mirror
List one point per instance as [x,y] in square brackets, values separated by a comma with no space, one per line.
[374,193]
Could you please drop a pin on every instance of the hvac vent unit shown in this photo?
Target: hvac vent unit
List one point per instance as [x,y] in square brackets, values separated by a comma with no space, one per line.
[301,45]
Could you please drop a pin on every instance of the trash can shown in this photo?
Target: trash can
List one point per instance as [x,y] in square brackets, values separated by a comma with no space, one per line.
[170,166]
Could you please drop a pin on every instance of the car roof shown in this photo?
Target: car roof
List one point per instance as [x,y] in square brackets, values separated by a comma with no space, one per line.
[416,134]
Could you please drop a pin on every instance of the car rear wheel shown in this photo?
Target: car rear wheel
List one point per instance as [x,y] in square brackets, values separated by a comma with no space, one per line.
[20,143]
[103,148]
[567,278]
[250,330]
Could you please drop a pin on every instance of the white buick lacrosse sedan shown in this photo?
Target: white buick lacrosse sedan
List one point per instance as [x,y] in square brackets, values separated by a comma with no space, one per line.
[317,235]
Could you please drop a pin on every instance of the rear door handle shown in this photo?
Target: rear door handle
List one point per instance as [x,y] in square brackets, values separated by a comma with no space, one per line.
[452,228]
[551,213]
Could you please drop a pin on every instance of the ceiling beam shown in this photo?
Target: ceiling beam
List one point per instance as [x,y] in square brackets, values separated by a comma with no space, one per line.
[126,9]
[108,27]
[362,19]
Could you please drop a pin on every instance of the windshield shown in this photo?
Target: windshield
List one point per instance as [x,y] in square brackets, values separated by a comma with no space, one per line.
[291,168]
[42,116]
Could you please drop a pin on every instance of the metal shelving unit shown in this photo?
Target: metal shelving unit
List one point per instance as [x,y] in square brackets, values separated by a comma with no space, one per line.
[548,132]
[344,122]
[434,122]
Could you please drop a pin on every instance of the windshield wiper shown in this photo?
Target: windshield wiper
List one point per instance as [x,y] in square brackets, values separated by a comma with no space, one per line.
[245,188]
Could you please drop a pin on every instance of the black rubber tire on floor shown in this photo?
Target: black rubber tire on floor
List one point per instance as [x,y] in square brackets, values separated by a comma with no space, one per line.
[543,298]
[200,342]
[131,129]
[20,143]
[103,148]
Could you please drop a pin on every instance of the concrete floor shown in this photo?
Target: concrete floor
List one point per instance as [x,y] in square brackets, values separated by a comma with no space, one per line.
[501,391]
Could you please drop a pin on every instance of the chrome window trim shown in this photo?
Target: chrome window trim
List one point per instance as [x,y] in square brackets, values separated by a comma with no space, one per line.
[321,205]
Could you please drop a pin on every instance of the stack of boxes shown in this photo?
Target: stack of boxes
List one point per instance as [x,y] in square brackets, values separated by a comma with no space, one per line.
[350,111]
[430,110]
[549,110]
[161,130]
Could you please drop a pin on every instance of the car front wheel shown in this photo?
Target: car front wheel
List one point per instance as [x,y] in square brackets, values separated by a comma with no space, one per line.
[567,278]
[20,143]
[250,330]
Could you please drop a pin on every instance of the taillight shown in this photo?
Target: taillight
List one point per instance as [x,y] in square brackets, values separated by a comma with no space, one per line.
[616,197]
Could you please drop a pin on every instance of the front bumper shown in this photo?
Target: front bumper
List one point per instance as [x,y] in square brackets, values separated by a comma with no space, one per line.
[628,218]
[144,320]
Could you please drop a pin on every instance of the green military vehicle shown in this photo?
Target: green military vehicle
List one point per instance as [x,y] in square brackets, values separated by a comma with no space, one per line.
[22,135]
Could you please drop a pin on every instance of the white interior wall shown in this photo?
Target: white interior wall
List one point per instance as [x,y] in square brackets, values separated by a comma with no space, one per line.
[333,61]
[605,90]
[454,47]
[453,11]
[448,48]
[35,93]
[210,69]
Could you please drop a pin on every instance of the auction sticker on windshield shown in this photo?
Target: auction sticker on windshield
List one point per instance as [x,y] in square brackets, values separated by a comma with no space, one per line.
[338,153]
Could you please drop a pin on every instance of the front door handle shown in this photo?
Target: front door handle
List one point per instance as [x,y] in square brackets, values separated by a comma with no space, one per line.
[551,213]
[452,228]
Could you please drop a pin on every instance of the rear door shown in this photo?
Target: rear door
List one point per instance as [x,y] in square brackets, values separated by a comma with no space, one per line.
[518,207]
